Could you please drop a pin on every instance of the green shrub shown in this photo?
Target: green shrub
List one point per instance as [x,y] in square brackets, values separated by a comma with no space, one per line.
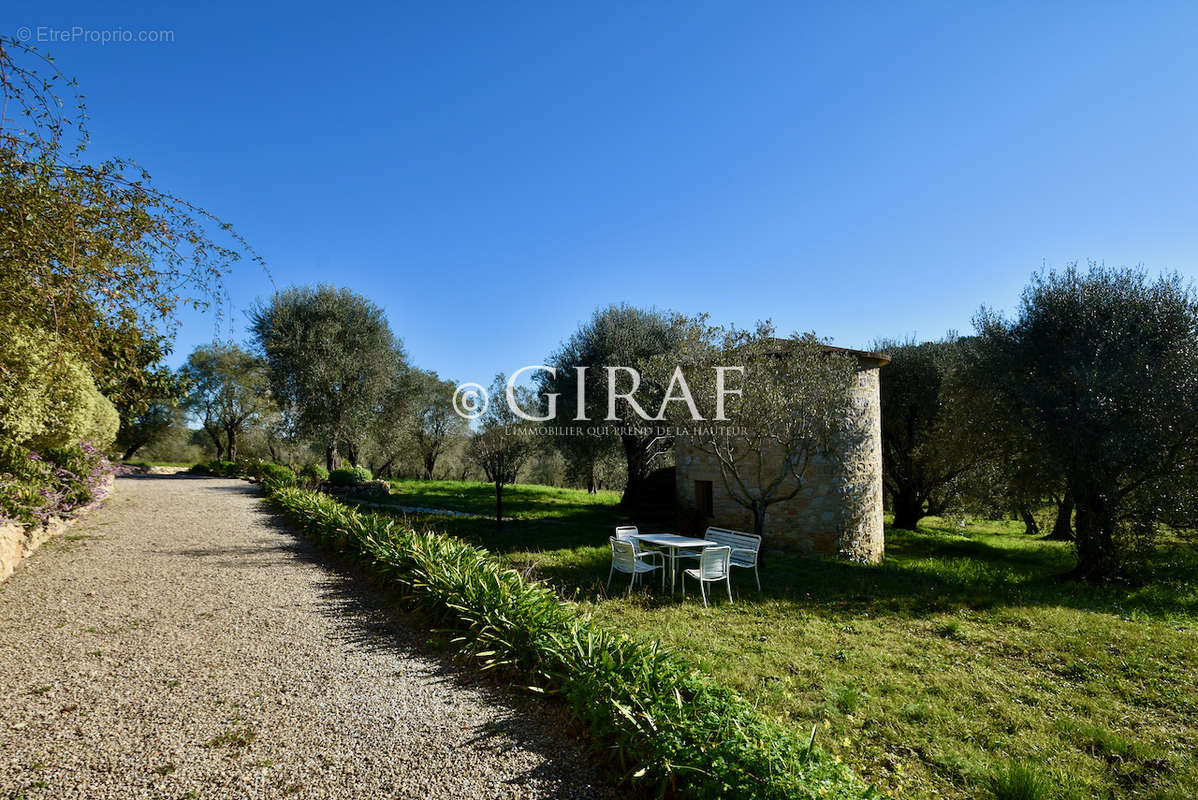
[223,469]
[668,727]
[279,474]
[48,398]
[36,486]
[16,461]
[78,470]
[348,476]
[342,477]
[256,468]
[313,474]
[249,467]
[23,479]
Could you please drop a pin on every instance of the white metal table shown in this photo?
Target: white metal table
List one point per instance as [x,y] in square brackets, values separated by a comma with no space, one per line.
[672,543]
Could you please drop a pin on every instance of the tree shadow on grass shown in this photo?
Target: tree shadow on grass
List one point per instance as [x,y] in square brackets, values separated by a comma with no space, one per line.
[936,569]
[926,572]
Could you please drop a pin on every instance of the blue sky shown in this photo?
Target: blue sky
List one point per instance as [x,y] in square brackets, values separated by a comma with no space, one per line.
[490,173]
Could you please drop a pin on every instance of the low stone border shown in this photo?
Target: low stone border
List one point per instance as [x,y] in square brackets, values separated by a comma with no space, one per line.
[18,542]
[432,512]
[167,470]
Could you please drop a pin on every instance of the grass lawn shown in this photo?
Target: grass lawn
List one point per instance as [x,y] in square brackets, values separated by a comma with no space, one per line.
[959,668]
[520,501]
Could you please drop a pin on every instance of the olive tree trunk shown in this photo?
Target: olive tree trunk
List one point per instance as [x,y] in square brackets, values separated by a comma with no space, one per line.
[908,510]
[1062,529]
[498,505]
[1095,541]
[1030,526]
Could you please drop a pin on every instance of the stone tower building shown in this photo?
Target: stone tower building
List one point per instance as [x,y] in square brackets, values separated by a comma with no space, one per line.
[839,510]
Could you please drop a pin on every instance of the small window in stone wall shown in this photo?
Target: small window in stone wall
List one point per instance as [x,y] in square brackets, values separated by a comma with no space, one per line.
[704,500]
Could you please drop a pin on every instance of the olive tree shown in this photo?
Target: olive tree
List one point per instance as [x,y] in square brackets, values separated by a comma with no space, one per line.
[1099,369]
[942,444]
[434,425]
[1008,476]
[922,459]
[332,359]
[138,429]
[387,438]
[227,391]
[501,445]
[616,336]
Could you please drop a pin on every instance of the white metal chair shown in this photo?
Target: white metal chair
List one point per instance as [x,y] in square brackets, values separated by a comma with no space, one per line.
[628,533]
[713,567]
[745,547]
[624,559]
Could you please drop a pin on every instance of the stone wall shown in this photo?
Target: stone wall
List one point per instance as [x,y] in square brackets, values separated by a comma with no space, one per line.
[839,509]
[18,542]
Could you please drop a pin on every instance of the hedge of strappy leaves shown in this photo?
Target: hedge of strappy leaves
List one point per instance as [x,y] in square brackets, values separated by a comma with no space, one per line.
[666,727]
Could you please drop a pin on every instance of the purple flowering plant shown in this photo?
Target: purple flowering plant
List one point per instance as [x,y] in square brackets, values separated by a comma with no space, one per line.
[34,487]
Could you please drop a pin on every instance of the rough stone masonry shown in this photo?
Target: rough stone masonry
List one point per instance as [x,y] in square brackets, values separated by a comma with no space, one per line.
[838,511]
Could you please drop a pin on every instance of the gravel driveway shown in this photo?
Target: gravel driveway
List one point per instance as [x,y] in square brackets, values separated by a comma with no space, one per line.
[180,642]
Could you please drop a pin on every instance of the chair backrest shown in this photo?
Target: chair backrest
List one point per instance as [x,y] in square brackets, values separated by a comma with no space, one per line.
[623,554]
[713,563]
[625,531]
[737,540]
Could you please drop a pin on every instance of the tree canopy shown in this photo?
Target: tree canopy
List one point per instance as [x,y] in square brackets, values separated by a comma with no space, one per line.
[227,391]
[95,257]
[615,336]
[501,446]
[1099,368]
[434,423]
[925,455]
[332,360]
